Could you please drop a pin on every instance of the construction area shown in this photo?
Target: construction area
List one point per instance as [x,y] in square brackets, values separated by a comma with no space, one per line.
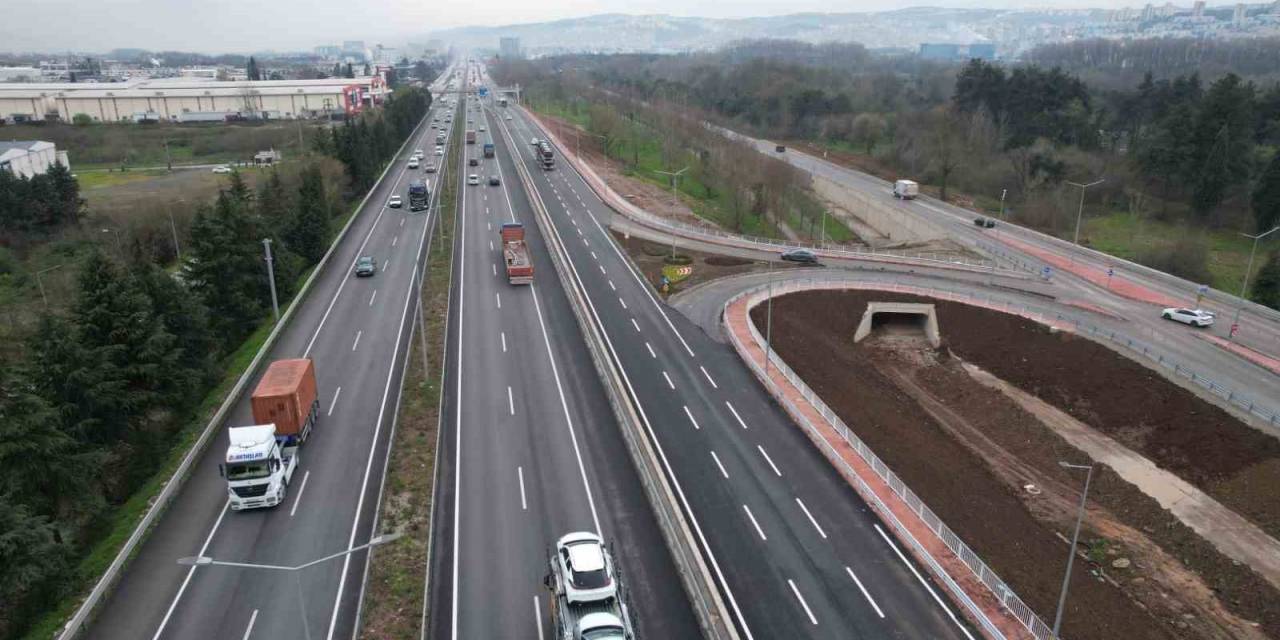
[1179,539]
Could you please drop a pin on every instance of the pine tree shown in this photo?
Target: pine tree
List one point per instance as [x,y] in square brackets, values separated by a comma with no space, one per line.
[1266,198]
[84,389]
[274,207]
[227,270]
[239,190]
[1223,142]
[252,69]
[308,231]
[185,318]
[1266,289]
[34,565]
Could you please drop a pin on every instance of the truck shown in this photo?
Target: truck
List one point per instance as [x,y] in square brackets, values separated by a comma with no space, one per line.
[906,189]
[502,102]
[488,149]
[546,157]
[471,136]
[608,619]
[516,254]
[419,195]
[262,457]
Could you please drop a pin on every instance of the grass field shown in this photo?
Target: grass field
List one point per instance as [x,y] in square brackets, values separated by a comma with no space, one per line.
[1126,236]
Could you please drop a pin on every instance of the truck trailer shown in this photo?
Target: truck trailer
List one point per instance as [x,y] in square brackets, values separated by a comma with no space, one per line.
[608,619]
[262,457]
[471,136]
[419,195]
[488,149]
[546,157]
[516,254]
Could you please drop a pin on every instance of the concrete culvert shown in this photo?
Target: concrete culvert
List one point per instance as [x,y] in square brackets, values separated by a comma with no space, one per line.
[899,318]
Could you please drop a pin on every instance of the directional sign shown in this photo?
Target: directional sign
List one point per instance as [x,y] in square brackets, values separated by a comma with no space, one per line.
[1046,272]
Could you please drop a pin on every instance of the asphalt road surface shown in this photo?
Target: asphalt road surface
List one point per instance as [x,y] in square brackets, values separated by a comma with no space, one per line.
[357,332]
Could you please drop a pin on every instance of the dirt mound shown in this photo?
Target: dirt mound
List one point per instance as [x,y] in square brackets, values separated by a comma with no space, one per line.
[969,451]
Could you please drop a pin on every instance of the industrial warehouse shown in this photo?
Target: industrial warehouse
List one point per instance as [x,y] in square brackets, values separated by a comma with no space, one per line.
[185,100]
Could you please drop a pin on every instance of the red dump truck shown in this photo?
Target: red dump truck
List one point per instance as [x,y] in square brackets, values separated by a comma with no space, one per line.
[471,136]
[516,254]
[262,457]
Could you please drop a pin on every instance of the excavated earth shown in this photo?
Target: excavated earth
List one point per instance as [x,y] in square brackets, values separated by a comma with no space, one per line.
[989,468]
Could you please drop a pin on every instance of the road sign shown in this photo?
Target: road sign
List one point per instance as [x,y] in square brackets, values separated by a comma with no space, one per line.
[1203,289]
[1110,272]
[1046,272]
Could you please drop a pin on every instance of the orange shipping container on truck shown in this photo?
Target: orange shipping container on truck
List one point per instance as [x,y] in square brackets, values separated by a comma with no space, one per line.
[285,395]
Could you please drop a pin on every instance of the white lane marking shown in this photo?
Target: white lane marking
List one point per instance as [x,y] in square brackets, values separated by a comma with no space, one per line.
[511,403]
[524,504]
[754,523]
[713,382]
[806,513]
[498,297]
[495,270]
[373,297]
[457,438]
[504,341]
[488,226]
[770,461]
[864,592]
[402,222]
[668,379]
[635,324]
[356,343]
[602,269]
[721,466]
[623,302]
[651,353]
[537,615]
[334,403]
[611,287]
[491,245]
[579,232]
[394,240]
[585,241]
[594,256]
[386,263]
[298,498]
[190,572]
[735,414]
[690,414]
[249,629]
[802,602]
[923,581]
[486,210]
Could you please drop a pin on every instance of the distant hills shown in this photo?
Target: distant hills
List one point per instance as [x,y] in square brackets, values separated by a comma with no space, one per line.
[904,28]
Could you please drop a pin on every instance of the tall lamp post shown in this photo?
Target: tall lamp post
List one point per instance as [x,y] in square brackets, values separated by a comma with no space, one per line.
[1080,212]
[1244,286]
[674,177]
[1075,537]
[206,561]
[40,283]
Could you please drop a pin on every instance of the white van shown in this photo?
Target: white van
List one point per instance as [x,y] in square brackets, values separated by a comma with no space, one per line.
[906,190]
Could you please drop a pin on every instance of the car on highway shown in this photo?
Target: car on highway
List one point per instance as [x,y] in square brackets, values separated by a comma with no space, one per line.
[482,127]
[587,568]
[508,117]
[804,256]
[473,162]
[473,179]
[494,181]
[222,168]
[439,151]
[984,222]
[395,202]
[430,168]
[418,152]
[780,149]
[366,266]
[413,162]
[1193,317]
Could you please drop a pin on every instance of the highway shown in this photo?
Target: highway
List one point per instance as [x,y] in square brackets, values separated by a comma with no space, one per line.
[357,331]
[792,548]
[530,448]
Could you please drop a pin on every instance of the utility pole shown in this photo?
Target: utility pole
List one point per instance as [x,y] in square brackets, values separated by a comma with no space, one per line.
[40,283]
[271,277]
[1080,212]
[674,177]
[1244,287]
[1075,537]
[177,250]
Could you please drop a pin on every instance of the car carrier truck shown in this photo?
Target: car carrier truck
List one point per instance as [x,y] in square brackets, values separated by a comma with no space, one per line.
[583,619]
[516,254]
[262,457]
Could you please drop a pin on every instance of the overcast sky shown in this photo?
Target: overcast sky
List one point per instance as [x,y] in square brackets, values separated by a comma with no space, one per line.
[257,25]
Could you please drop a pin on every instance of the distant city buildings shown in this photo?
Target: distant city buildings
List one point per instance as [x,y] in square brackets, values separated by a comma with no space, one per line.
[954,52]
[509,48]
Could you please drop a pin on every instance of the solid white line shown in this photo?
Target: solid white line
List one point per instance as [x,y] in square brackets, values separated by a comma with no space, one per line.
[668,379]
[690,414]
[754,523]
[717,459]
[770,461]
[713,382]
[373,297]
[537,615]
[248,630]
[504,341]
[623,302]
[457,440]
[635,324]
[356,343]
[498,297]
[298,498]
[923,582]
[806,512]
[651,353]
[334,403]
[864,592]
[204,547]
[511,403]
[802,602]
[611,287]
[523,503]
[735,414]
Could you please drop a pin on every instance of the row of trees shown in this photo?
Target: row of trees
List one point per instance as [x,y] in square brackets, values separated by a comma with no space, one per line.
[37,205]
[92,404]
[364,144]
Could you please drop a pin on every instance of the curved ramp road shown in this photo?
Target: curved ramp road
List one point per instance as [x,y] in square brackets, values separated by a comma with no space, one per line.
[530,447]
[357,331]
[794,551]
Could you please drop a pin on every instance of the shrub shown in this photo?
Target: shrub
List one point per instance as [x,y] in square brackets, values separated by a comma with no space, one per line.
[82,120]
[678,259]
[1187,257]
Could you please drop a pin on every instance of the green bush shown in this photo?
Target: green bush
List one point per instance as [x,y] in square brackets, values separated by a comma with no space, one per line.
[1187,257]
[678,259]
[82,120]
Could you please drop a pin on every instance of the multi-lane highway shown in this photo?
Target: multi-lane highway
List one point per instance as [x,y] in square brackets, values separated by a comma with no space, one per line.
[793,550]
[357,332]
[530,448]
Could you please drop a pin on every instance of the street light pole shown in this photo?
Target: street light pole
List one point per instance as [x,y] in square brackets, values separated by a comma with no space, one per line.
[1244,286]
[177,250]
[206,561]
[1080,212]
[271,277]
[119,246]
[768,324]
[40,283]
[674,177]
[1075,537]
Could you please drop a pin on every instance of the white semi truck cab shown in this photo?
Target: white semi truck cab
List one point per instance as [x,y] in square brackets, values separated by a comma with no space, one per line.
[258,466]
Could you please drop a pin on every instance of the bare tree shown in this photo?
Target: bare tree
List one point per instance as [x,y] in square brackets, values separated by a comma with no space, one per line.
[945,148]
[867,129]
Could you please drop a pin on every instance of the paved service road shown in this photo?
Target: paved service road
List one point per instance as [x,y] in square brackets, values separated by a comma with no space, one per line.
[794,550]
[357,331]
[530,447]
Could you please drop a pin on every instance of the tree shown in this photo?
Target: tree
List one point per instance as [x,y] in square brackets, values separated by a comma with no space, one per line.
[945,152]
[867,129]
[308,231]
[226,268]
[1266,198]
[252,69]
[1266,288]
[1223,141]
[34,565]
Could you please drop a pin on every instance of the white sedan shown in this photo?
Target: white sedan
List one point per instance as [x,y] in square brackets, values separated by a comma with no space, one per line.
[586,568]
[222,168]
[1193,317]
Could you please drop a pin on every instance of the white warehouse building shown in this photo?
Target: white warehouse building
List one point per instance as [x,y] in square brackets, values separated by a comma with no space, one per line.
[28,158]
[179,100]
